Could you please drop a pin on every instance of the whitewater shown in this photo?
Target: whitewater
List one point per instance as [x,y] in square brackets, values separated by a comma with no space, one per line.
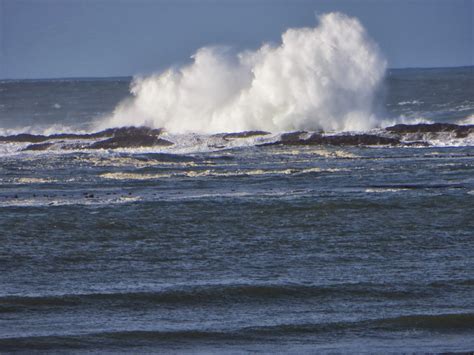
[320,78]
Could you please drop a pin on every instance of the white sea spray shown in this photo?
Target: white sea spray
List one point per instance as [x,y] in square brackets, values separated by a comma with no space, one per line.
[324,77]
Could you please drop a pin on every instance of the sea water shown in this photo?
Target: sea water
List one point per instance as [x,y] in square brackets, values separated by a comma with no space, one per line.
[216,243]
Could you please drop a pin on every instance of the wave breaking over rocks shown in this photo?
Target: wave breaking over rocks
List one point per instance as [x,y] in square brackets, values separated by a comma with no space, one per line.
[144,137]
[323,77]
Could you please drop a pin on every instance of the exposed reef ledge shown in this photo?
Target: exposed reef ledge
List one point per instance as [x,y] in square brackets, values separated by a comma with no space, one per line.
[460,131]
[398,135]
[305,138]
[125,137]
[136,137]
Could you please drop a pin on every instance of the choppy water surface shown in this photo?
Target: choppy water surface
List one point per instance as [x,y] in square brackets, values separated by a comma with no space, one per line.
[260,248]
[200,247]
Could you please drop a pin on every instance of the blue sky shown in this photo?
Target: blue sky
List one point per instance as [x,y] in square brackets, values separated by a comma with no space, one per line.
[89,38]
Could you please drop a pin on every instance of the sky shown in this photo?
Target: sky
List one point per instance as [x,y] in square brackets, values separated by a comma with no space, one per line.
[100,38]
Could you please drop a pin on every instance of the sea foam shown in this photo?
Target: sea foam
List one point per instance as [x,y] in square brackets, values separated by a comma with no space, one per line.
[326,77]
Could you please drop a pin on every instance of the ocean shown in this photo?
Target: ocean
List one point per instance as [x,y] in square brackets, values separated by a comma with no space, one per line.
[149,240]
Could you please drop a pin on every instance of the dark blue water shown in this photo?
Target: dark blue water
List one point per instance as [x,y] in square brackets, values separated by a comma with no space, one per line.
[210,249]
[439,95]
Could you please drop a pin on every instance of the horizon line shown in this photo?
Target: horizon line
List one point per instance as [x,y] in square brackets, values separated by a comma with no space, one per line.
[122,77]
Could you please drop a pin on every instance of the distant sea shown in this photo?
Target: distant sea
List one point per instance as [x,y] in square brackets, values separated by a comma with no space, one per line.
[138,240]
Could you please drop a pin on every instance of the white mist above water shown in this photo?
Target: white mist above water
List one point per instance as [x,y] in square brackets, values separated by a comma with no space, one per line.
[325,78]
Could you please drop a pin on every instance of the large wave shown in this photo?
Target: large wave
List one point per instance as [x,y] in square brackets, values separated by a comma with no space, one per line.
[325,77]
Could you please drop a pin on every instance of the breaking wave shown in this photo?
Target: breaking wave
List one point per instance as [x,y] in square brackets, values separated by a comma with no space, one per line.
[326,77]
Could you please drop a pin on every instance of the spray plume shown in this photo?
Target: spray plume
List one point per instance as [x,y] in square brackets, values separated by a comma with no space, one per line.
[324,78]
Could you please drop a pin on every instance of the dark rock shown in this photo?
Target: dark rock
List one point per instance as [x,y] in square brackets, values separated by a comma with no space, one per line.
[39,146]
[130,142]
[132,137]
[108,133]
[135,131]
[459,130]
[37,138]
[24,137]
[292,137]
[297,138]
[245,134]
